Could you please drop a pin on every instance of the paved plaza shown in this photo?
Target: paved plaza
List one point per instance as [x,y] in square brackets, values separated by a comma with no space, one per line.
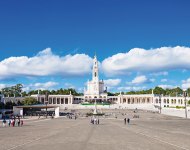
[151,131]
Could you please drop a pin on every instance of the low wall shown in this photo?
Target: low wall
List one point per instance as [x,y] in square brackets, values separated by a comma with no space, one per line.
[176,112]
[114,106]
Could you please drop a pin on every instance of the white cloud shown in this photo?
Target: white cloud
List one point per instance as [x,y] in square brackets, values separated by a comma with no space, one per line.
[2,86]
[153,60]
[139,80]
[46,63]
[45,85]
[112,82]
[166,86]
[40,86]
[185,84]
[164,80]
[131,88]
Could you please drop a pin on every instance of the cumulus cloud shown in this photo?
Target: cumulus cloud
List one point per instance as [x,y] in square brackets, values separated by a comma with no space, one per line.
[166,86]
[45,63]
[41,86]
[2,86]
[153,60]
[139,80]
[112,82]
[131,88]
[186,84]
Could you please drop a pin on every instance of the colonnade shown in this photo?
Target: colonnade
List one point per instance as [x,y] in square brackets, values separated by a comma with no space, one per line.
[135,100]
[57,100]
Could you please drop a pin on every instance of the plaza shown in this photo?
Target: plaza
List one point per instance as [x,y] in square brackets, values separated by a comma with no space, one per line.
[150,131]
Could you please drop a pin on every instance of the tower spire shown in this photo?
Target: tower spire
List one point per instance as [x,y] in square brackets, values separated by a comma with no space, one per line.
[95,69]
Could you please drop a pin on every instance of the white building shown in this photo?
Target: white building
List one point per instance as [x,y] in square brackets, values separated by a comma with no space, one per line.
[95,87]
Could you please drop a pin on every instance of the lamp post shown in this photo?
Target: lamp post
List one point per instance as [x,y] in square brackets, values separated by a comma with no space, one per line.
[46,102]
[160,101]
[185,95]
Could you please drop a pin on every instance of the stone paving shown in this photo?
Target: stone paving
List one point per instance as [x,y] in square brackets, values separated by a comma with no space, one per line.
[151,131]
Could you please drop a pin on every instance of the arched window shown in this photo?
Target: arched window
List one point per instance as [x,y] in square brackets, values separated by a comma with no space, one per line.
[95,74]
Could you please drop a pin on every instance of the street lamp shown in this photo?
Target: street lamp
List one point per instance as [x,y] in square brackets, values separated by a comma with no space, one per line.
[46,102]
[160,101]
[185,95]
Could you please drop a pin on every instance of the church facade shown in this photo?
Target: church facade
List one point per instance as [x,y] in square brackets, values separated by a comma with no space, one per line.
[95,87]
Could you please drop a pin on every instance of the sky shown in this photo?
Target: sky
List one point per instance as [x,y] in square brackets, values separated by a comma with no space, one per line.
[47,44]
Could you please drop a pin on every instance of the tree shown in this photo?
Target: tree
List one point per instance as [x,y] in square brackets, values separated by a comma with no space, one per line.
[159,90]
[188,102]
[13,90]
[30,101]
[24,94]
[110,94]
[18,89]
[9,105]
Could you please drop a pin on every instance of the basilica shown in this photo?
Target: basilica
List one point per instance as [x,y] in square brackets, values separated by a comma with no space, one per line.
[95,87]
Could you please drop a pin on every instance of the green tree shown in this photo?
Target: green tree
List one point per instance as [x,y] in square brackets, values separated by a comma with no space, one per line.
[159,90]
[9,105]
[188,102]
[13,90]
[30,101]
[110,94]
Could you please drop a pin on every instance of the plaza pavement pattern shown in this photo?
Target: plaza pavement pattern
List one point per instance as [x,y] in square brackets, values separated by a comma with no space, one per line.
[149,132]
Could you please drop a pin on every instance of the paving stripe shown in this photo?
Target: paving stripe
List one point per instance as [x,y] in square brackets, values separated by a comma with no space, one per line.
[37,139]
[154,138]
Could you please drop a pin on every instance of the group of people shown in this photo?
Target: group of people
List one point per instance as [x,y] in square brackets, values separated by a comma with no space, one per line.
[71,116]
[13,122]
[126,120]
[94,121]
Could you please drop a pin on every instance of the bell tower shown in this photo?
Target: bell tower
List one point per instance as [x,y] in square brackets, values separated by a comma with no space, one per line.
[95,70]
[95,88]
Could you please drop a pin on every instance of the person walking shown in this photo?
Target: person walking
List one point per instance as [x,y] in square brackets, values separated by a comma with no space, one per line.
[18,122]
[9,122]
[94,121]
[22,122]
[4,122]
[98,121]
[128,120]
[125,120]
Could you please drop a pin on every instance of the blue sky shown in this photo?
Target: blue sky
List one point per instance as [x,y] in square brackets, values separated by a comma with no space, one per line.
[76,30]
